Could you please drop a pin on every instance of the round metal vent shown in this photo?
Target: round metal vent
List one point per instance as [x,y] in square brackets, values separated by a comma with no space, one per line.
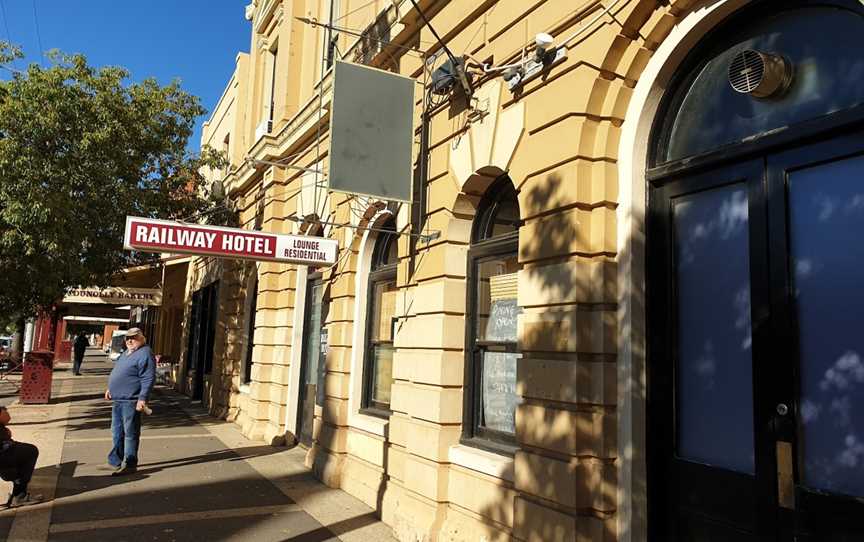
[759,74]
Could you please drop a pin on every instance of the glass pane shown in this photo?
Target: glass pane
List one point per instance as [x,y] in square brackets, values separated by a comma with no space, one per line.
[497,310]
[384,309]
[382,373]
[499,391]
[312,335]
[828,76]
[714,373]
[506,217]
[386,248]
[826,206]
[392,250]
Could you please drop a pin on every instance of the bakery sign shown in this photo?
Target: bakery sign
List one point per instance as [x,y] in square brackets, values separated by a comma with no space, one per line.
[149,235]
[114,295]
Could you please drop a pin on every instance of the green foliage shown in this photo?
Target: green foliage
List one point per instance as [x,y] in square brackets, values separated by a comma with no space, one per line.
[81,148]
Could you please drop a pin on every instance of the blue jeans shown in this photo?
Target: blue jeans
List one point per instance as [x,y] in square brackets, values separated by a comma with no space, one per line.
[76,363]
[126,431]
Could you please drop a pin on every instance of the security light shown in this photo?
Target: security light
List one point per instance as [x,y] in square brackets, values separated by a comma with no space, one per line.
[542,41]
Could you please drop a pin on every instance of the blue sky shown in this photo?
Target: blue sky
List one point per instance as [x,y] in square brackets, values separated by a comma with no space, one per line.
[193,40]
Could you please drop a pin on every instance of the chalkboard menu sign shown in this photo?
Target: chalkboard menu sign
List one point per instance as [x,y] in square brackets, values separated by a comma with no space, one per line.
[499,391]
[501,325]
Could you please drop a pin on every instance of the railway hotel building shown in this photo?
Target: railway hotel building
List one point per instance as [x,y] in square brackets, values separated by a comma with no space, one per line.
[624,300]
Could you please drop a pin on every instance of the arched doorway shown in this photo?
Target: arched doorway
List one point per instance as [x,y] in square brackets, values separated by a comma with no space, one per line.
[755,198]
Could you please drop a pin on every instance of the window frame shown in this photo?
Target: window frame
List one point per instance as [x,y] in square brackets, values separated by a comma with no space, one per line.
[250,330]
[483,248]
[754,145]
[380,272]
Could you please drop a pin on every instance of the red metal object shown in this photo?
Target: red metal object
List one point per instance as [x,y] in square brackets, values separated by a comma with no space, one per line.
[64,353]
[36,377]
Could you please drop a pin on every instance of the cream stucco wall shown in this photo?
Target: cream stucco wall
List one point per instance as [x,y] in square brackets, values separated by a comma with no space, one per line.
[578,470]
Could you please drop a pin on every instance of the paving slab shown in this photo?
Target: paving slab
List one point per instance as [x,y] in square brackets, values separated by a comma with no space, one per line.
[198,477]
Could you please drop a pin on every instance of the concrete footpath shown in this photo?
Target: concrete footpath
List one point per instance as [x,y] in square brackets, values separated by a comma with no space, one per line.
[198,478]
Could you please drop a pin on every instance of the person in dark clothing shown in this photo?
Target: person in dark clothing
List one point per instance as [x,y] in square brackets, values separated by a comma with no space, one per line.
[79,346]
[129,386]
[17,462]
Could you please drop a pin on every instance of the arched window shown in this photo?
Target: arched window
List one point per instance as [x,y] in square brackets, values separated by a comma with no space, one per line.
[823,75]
[491,346]
[380,318]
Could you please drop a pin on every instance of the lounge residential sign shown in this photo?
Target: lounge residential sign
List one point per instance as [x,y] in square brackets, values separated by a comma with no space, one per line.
[114,295]
[149,235]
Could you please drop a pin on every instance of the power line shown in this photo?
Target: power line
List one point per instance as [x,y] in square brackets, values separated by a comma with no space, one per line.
[364,6]
[6,25]
[38,35]
[359,34]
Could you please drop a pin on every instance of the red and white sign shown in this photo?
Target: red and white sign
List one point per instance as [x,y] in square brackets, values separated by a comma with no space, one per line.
[148,235]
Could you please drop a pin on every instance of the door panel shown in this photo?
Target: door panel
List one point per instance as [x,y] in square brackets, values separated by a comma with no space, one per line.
[817,213]
[827,202]
[707,303]
[714,384]
[312,367]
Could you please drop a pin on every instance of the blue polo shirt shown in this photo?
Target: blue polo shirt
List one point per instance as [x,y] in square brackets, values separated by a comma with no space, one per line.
[133,375]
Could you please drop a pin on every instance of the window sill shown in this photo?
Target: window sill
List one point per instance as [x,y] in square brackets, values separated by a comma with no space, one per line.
[375,425]
[489,463]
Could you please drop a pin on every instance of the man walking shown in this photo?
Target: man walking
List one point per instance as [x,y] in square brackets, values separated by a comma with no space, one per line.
[79,346]
[129,387]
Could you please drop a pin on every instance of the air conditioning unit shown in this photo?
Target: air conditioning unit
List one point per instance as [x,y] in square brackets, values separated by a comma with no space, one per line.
[264,128]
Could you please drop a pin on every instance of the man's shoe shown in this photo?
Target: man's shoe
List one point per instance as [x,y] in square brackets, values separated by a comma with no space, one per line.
[123,470]
[24,499]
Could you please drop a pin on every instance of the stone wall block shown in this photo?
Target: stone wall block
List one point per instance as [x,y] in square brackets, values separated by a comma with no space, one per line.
[428,478]
[658,27]
[331,437]
[430,403]
[446,259]
[634,15]
[369,448]
[362,480]
[436,367]
[575,381]
[399,429]
[580,329]
[579,280]
[536,523]
[483,495]
[335,411]
[582,483]
[431,331]
[576,433]
[396,462]
[337,385]
[432,441]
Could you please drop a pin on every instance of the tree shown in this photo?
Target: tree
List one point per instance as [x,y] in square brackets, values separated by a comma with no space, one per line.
[81,148]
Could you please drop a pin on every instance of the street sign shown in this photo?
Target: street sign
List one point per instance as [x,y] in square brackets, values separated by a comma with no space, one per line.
[371,132]
[149,235]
